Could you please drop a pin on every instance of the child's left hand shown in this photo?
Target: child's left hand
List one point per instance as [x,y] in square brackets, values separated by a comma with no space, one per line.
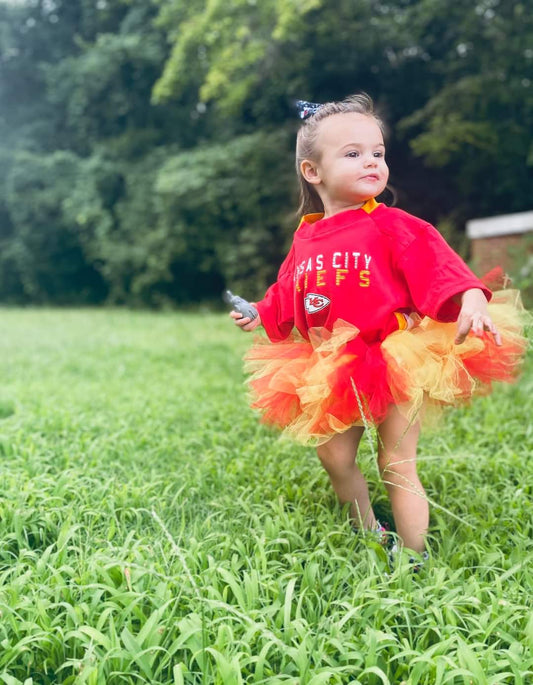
[474,316]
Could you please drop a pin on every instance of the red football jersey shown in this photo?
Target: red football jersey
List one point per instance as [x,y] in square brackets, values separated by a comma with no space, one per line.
[361,266]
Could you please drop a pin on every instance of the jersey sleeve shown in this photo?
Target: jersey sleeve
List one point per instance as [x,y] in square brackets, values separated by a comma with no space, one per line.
[435,274]
[276,309]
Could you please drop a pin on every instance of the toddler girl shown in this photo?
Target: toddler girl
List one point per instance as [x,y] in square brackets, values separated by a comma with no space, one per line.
[373,318]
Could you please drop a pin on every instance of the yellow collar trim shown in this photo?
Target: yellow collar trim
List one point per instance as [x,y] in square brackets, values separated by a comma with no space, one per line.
[369,206]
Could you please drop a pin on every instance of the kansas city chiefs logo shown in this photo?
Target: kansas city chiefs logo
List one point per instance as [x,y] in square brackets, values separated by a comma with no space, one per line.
[315,303]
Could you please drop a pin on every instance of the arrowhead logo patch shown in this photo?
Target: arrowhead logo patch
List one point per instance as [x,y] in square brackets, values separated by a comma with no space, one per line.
[315,303]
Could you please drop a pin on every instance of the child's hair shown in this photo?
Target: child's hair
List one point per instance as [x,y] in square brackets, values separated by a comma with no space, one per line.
[360,103]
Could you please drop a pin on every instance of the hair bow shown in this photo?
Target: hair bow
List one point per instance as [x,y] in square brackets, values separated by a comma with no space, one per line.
[307,109]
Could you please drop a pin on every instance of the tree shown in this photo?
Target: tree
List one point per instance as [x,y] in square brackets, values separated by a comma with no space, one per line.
[477,125]
[43,260]
[153,138]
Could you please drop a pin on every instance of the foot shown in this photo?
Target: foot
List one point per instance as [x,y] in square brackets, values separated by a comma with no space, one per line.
[379,533]
[416,561]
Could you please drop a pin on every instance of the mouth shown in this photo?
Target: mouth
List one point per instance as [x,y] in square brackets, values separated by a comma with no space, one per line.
[370,177]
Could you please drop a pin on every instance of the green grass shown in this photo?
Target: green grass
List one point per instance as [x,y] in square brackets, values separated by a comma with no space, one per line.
[153,532]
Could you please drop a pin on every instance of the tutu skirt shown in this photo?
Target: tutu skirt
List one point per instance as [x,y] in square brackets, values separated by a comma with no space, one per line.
[312,389]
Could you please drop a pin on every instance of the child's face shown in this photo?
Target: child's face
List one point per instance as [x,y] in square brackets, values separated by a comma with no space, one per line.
[351,166]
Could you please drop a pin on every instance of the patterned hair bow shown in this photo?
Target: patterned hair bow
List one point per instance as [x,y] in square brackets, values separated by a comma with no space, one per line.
[307,109]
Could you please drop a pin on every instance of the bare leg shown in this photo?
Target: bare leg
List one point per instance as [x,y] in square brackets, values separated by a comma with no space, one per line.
[397,465]
[338,458]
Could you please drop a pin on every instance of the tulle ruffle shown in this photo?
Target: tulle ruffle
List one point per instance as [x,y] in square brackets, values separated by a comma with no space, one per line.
[314,389]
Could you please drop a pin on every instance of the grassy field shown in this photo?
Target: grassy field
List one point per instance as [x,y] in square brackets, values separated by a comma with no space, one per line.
[153,532]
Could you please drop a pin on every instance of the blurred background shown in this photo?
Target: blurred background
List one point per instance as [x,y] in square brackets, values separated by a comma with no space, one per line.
[146,146]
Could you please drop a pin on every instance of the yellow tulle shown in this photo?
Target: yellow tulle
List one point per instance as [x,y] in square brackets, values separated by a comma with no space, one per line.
[314,389]
[442,373]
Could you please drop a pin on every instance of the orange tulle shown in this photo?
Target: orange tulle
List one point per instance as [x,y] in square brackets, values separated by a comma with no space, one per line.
[314,389]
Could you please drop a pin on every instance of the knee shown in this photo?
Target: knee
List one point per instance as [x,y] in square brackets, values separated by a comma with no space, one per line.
[334,461]
[338,454]
[328,457]
[397,467]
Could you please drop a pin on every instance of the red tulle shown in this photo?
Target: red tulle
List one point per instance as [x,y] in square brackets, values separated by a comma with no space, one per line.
[314,389]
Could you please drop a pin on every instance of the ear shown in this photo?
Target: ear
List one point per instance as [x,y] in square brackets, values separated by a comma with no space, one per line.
[310,172]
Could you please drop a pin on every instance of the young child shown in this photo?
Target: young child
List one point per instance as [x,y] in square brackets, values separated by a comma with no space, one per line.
[388,319]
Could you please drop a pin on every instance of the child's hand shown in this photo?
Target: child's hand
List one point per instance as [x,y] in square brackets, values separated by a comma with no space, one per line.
[474,316]
[245,322]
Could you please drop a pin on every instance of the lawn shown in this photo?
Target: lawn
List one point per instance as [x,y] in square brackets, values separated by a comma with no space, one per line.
[153,532]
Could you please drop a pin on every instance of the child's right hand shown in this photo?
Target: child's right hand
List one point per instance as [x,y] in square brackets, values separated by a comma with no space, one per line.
[244,322]
[474,317]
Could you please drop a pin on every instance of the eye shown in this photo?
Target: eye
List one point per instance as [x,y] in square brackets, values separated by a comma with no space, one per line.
[379,154]
[353,153]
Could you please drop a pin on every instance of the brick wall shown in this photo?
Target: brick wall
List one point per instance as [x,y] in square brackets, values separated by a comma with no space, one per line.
[503,250]
[502,241]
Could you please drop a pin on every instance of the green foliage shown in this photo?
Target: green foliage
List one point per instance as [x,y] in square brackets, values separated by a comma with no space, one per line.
[177,121]
[522,273]
[152,531]
[221,205]
[230,42]
[476,125]
[106,89]
[43,260]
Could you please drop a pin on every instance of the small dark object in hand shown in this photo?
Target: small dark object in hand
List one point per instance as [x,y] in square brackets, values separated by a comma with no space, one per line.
[240,305]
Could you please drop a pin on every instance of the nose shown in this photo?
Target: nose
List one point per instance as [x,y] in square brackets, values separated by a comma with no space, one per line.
[370,160]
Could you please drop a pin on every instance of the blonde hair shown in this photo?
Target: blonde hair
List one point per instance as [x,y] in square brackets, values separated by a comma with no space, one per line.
[360,103]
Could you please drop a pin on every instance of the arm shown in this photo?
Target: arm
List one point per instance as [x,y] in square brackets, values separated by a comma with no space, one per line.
[275,312]
[437,277]
[276,309]
[474,316]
